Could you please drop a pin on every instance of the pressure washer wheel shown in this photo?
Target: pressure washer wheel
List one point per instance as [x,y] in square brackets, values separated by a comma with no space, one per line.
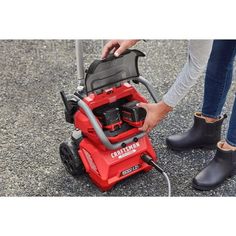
[70,157]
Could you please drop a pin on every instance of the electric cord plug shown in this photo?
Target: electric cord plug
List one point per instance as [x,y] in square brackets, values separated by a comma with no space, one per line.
[150,162]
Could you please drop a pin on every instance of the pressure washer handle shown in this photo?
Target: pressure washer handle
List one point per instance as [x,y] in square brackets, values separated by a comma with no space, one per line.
[100,132]
[148,86]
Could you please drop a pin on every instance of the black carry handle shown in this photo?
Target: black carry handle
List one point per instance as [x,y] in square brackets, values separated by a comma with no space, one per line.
[65,101]
[71,106]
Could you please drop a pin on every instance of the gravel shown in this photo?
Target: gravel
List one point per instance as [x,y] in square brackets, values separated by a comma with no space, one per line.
[32,124]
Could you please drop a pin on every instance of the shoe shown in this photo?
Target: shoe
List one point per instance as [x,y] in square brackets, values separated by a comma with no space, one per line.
[201,135]
[222,166]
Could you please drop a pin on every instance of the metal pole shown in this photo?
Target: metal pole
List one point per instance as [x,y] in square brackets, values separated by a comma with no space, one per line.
[80,63]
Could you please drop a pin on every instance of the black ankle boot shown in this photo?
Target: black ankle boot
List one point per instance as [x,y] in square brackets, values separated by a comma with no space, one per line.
[222,166]
[201,135]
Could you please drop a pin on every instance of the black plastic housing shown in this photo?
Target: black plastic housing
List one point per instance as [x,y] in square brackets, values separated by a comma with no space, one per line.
[130,112]
[109,117]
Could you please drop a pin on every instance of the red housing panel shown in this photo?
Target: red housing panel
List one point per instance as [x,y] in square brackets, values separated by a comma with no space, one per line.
[107,167]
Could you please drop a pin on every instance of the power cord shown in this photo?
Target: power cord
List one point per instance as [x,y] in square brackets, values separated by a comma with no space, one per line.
[150,162]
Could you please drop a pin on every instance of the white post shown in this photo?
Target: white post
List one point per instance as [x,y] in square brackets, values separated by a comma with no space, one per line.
[80,63]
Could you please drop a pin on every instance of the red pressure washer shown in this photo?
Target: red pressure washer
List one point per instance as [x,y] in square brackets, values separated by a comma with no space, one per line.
[106,142]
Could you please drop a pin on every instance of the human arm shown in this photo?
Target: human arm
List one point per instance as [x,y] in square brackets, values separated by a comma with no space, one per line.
[198,54]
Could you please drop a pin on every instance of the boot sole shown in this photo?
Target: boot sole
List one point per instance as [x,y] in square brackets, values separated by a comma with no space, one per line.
[205,188]
[208,188]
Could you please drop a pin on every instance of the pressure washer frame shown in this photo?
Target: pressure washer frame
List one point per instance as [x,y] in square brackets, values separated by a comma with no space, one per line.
[144,157]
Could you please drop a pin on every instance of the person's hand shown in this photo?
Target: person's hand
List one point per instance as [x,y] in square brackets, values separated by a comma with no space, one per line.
[117,46]
[156,112]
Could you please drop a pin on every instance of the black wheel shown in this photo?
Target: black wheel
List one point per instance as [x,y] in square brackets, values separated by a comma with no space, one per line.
[70,158]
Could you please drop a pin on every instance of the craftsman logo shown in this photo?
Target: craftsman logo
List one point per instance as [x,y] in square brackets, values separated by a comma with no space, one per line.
[128,171]
[123,152]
